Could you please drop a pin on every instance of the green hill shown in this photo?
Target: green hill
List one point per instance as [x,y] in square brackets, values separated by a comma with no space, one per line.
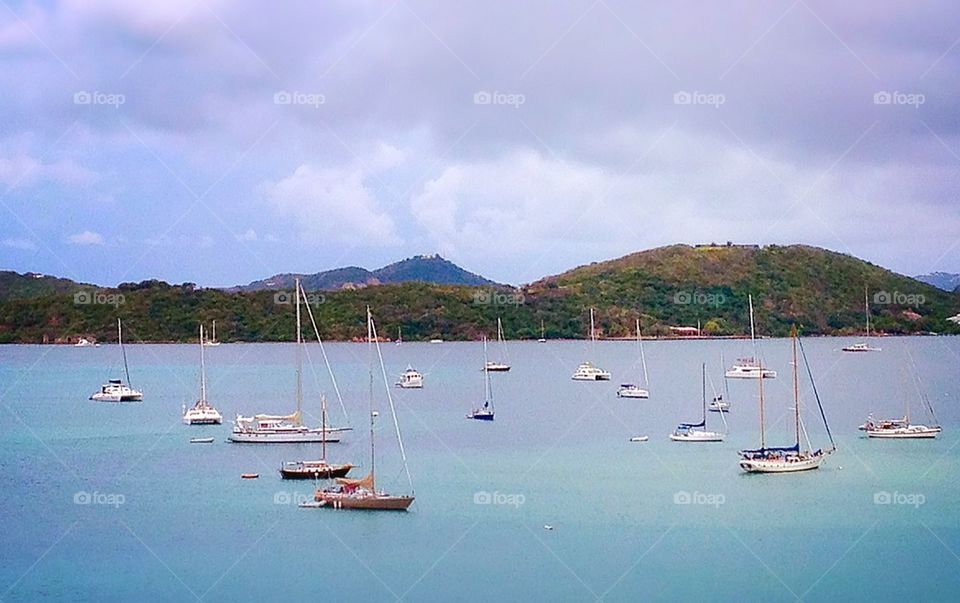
[820,290]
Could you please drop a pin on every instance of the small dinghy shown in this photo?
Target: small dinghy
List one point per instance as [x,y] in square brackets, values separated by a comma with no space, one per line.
[201,440]
[639,438]
[249,475]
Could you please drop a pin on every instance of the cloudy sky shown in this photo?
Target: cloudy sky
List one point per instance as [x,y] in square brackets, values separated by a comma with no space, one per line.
[219,142]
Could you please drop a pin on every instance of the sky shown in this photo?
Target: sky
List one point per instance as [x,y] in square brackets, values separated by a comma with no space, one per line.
[221,142]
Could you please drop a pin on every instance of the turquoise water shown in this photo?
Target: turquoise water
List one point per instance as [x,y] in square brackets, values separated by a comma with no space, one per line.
[173,521]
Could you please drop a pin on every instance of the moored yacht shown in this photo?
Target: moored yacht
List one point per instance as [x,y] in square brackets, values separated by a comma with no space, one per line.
[698,432]
[587,371]
[202,412]
[115,390]
[318,469]
[494,365]
[410,379]
[632,390]
[749,368]
[862,346]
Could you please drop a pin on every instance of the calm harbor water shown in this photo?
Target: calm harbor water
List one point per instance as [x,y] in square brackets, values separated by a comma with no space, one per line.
[111,502]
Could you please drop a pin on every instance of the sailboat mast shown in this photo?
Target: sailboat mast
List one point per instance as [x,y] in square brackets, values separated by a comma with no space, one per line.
[762,435]
[703,392]
[214,330]
[373,457]
[123,350]
[541,330]
[796,387]
[593,338]
[203,370]
[487,388]
[323,427]
[299,355]
[753,340]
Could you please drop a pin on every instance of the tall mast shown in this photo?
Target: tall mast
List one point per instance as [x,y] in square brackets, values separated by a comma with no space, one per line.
[299,355]
[643,360]
[753,340]
[323,427]
[541,329]
[593,338]
[703,392]
[487,389]
[203,370]
[214,331]
[373,457]
[762,435]
[126,369]
[866,305]
[796,386]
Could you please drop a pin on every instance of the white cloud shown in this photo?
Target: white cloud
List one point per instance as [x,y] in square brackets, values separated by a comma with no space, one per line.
[332,205]
[18,243]
[249,236]
[23,170]
[87,237]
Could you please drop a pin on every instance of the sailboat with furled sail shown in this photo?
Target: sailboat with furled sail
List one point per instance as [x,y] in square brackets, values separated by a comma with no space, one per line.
[749,368]
[904,428]
[634,390]
[863,346]
[788,459]
[115,390]
[698,432]
[319,469]
[500,366]
[485,412]
[288,429]
[202,412]
[362,494]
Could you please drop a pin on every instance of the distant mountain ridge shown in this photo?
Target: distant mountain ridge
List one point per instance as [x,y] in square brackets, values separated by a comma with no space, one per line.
[947,281]
[14,285]
[431,269]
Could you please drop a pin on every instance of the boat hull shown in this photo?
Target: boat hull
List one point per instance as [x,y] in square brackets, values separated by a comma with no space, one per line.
[780,465]
[481,416]
[315,472]
[706,436]
[98,397]
[734,374]
[365,503]
[304,437]
[904,434]
[633,393]
[498,369]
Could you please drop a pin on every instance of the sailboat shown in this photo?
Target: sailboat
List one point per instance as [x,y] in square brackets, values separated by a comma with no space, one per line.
[399,336]
[115,390]
[788,459]
[285,429]
[720,402]
[212,342]
[749,368]
[484,413]
[543,335]
[319,469]
[493,365]
[863,346]
[362,494]
[587,371]
[631,390]
[202,413]
[903,428]
[698,432]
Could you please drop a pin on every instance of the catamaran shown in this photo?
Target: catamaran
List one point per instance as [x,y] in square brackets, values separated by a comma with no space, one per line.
[288,429]
[115,390]
[633,390]
[493,365]
[319,469]
[410,379]
[749,368]
[902,428]
[698,432]
[212,342]
[587,371]
[362,494]
[202,412]
[788,459]
[863,346]
[485,412]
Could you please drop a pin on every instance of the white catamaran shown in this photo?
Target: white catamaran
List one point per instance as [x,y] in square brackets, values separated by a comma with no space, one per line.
[587,371]
[288,429]
[749,368]
[115,390]
[202,412]
[788,459]
[639,389]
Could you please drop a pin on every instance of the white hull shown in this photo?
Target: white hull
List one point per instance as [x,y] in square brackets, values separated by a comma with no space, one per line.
[635,392]
[905,433]
[860,347]
[749,373]
[133,397]
[209,417]
[286,437]
[697,436]
[592,377]
[588,372]
[780,465]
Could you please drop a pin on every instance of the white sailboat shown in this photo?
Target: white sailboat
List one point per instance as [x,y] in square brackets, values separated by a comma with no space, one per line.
[863,346]
[212,342]
[788,459]
[543,335]
[749,368]
[485,412]
[903,428]
[495,365]
[399,336]
[698,432]
[115,390]
[287,429]
[587,371]
[720,402]
[202,412]
[634,390]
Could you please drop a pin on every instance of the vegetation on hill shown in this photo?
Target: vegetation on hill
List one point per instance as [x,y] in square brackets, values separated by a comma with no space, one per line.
[679,285]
